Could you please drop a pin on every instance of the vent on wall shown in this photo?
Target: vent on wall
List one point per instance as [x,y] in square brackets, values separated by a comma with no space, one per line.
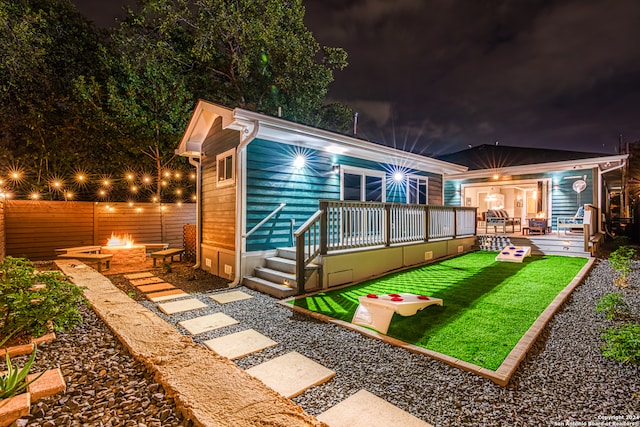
[428,255]
[460,249]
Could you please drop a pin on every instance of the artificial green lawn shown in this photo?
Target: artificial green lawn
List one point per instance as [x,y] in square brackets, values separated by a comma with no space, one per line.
[488,305]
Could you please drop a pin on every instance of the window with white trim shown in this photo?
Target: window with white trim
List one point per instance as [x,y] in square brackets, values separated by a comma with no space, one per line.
[225,166]
[417,190]
[363,184]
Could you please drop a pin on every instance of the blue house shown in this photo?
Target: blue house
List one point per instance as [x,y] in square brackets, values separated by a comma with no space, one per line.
[285,207]
[537,183]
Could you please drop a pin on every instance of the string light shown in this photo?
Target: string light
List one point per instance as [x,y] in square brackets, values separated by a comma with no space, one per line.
[13,179]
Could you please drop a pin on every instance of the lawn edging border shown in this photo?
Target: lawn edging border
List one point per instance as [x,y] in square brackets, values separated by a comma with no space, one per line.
[507,368]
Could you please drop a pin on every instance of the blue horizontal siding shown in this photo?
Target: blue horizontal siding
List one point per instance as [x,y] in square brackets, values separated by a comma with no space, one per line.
[272,179]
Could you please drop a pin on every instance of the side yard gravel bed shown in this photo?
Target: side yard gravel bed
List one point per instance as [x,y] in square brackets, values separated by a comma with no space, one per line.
[563,379]
[106,386]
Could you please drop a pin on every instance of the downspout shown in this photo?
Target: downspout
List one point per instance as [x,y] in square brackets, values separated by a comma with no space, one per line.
[240,174]
[197,164]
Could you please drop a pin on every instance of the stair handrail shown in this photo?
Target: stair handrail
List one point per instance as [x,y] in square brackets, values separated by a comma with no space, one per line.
[267,218]
[307,253]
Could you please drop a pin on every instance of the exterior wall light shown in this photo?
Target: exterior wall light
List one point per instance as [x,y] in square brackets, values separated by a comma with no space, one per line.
[398,176]
[299,161]
[336,168]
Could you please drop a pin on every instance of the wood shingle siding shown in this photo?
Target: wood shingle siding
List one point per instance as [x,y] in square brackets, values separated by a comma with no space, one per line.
[218,204]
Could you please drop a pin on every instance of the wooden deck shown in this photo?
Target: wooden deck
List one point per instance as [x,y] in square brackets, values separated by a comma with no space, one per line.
[554,243]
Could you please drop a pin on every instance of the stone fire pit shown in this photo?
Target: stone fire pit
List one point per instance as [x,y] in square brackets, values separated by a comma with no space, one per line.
[124,250]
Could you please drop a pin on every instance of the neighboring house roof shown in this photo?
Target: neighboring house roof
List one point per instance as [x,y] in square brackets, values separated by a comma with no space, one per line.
[256,125]
[489,156]
[486,160]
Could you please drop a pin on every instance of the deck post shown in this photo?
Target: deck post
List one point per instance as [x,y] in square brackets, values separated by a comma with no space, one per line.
[324,233]
[455,222]
[300,279]
[427,222]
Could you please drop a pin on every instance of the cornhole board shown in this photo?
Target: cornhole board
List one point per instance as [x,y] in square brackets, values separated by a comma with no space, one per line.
[514,253]
[376,311]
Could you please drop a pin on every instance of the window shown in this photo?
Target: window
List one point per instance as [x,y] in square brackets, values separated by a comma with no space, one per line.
[225,168]
[363,185]
[417,190]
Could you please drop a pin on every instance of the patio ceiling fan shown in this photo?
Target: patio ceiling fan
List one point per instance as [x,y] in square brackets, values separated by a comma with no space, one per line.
[579,186]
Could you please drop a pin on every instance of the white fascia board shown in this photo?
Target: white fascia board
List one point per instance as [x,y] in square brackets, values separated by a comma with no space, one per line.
[578,164]
[286,132]
[203,117]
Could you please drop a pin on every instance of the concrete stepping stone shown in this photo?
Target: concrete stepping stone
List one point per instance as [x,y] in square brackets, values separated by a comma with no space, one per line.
[207,323]
[228,297]
[181,306]
[167,295]
[146,281]
[291,374]
[240,344]
[145,289]
[138,275]
[365,409]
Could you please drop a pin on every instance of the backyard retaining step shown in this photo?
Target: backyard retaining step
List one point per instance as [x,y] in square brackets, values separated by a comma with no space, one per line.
[282,264]
[270,288]
[276,276]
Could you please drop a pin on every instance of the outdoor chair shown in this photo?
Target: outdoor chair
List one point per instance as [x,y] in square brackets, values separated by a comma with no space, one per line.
[571,222]
[500,218]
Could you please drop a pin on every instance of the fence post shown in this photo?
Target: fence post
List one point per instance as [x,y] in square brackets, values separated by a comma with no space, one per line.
[324,233]
[96,224]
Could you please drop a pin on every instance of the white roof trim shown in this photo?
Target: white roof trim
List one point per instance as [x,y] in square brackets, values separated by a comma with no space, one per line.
[589,163]
[286,132]
[203,117]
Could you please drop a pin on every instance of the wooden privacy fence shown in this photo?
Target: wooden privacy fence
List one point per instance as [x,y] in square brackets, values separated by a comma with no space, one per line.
[2,229]
[34,229]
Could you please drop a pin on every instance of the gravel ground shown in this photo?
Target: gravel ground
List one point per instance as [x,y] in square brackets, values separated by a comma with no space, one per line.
[564,380]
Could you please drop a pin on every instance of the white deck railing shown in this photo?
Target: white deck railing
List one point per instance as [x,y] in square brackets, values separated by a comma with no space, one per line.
[365,224]
[340,225]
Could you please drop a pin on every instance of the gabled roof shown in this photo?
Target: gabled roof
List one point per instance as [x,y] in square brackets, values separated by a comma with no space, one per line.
[256,125]
[486,160]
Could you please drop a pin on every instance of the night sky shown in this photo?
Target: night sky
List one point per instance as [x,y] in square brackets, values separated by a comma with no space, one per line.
[435,76]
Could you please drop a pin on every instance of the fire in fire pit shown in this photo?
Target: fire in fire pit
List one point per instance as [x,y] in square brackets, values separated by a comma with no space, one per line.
[124,249]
